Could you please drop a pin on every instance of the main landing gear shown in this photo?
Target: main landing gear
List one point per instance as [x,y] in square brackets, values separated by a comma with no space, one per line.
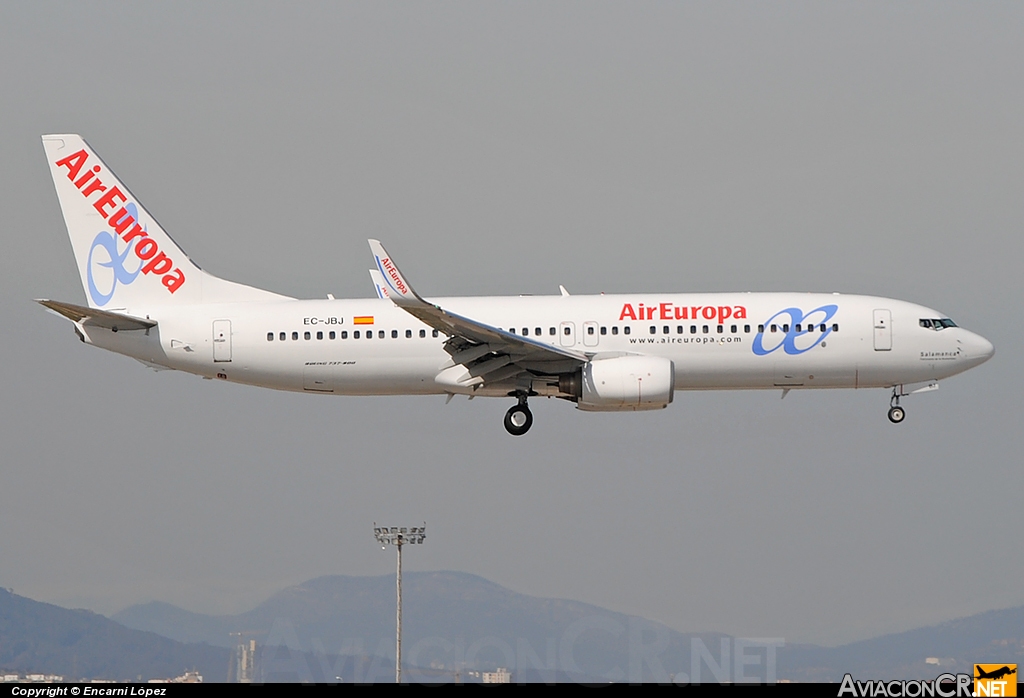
[519,419]
[896,413]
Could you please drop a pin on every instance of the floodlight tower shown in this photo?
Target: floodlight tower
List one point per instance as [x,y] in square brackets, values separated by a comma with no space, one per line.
[398,537]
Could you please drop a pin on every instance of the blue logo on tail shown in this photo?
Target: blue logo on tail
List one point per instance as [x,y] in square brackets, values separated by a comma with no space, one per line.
[108,242]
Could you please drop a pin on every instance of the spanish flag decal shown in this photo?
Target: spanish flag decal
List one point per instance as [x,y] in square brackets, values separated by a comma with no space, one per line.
[362,320]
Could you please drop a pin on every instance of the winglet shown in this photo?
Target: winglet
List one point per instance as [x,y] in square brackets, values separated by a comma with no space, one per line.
[398,289]
[378,283]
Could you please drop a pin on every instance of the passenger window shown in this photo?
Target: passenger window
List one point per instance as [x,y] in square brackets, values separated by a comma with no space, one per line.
[925,322]
[615,329]
[822,328]
[721,329]
[319,335]
[746,328]
[295,335]
[835,327]
[785,328]
[679,329]
[567,331]
[706,329]
[380,334]
[798,328]
[526,331]
[423,333]
[590,330]
[305,335]
[332,335]
[664,330]
[408,334]
[282,336]
[537,332]
[512,330]
[270,336]
[625,330]
[733,329]
[760,328]
[693,329]
[654,329]
[394,334]
[344,334]
[774,328]
[604,330]
[551,331]
[434,333]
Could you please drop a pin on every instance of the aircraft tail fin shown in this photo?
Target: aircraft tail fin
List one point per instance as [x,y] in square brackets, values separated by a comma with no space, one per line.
[125,258]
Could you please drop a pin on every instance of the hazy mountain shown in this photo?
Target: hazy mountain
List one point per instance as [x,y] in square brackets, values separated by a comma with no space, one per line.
[993,636]
[451,620]
[457,620]
[42,638]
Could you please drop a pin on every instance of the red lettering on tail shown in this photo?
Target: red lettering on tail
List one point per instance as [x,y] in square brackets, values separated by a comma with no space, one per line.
[146,248]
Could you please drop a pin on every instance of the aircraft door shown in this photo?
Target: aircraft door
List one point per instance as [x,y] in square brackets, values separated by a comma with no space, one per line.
[590,334]
[221,341]
[567,334]
[883,330]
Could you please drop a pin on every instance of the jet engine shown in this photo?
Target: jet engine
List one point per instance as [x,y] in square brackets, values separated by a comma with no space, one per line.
[622,383]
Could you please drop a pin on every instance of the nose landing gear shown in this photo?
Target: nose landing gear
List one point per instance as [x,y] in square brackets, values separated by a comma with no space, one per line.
[896,413]
[519,418]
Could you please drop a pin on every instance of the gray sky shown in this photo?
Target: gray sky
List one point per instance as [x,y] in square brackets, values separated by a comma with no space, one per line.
[502,149]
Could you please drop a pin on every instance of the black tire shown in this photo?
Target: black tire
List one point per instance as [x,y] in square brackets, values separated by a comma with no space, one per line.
[518,420]
[896,414]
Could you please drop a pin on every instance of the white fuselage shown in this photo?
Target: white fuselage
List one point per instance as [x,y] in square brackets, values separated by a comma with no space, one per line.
[716,341]
[148,300]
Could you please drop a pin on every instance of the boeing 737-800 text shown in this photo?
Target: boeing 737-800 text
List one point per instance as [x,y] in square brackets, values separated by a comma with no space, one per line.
[148,300]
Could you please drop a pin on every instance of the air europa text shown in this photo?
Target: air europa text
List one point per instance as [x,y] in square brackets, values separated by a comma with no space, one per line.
[668,311]
[389,268]
[123,223]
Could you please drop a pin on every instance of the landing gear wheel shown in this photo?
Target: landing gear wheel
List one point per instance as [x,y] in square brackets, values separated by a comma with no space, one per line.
[518,420]
[896,414]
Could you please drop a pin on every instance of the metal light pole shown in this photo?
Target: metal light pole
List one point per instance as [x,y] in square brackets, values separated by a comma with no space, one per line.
[398,537]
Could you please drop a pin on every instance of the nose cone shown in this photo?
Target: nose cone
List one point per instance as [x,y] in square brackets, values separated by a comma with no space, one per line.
[977,349]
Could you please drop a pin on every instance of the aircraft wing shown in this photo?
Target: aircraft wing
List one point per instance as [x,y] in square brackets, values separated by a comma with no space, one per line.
[93,317]
[490,354]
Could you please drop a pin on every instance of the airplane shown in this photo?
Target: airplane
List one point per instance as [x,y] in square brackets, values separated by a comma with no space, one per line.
[605,353]
[995,674]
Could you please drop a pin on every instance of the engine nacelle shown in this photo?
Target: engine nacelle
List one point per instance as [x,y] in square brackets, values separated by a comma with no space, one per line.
[626,383]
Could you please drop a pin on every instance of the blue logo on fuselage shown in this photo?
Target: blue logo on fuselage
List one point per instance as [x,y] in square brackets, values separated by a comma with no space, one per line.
[795,340]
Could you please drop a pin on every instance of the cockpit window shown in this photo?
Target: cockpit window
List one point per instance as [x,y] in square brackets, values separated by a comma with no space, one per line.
[936,323]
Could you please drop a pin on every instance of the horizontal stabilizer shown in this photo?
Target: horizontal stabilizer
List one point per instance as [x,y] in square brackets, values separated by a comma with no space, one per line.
[93,317]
